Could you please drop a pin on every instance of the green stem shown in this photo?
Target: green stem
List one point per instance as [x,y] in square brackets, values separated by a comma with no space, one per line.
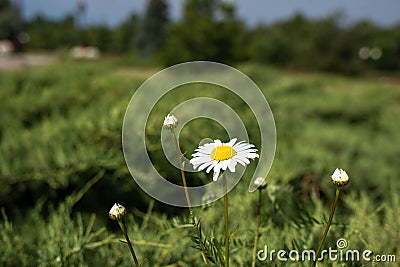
[192,217]
[327,226]
[124,231]
[226,222]
[178,152]
[253,264]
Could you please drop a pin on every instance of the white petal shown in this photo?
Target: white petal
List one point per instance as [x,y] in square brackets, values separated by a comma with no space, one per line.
[205,165]
[211,166]
[217,142]
[232,165]
[217,167]
[240,142]
[242,147]
[336,175]
[198,154]
[200,160]
[232,142]
[250,150]
[196,162]
[224,164]
[239,160]
[207,149]
[242,158]
[215,176]
[252,155]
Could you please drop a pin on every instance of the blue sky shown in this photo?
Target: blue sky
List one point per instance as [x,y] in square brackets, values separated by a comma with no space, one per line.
[382,12]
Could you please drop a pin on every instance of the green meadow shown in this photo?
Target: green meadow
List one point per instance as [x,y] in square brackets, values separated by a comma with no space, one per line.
[62,168]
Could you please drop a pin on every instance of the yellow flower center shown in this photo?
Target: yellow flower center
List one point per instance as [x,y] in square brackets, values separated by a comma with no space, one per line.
[222,153]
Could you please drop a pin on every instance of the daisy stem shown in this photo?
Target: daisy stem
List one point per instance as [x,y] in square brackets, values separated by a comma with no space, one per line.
[226,222]
[327,226]
[253,264]
[192,217]
[125,232]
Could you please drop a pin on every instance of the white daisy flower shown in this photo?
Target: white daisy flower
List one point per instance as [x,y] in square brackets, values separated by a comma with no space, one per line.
[340,177]
[170,121]
[220,156]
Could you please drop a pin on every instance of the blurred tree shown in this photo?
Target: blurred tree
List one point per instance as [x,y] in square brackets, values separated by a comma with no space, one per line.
[81,23]
[67,34]
[199,9]
[320,44]
[208,30]
[153,26]
[48,34]
[125,35]
[9,21]
[365,34]
[101,37]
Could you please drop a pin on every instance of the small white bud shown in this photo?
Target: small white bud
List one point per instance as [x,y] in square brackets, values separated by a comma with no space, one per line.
[117,212]
[340,177]
[170,121]
[260,183]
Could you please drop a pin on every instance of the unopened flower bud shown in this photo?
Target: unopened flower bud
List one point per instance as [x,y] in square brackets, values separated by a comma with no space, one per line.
[340,177]
[260,183]
[117,212]
[170,121]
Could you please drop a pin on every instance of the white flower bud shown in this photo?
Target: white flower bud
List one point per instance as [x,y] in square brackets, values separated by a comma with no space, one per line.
[340,177]
[260,183]
[117,212]
[170,121]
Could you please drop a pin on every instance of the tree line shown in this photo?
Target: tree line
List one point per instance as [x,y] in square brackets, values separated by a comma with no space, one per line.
[211,30]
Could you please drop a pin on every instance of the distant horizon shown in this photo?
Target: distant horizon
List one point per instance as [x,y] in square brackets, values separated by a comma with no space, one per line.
[252,12]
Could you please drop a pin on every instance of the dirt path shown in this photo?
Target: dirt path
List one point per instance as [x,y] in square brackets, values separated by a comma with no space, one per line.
[20,61]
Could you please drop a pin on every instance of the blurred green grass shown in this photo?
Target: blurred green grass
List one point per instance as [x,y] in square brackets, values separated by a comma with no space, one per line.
[61,126]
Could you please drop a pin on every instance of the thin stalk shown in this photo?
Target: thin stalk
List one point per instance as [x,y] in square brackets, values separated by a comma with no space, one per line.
[178,153]
[124,231]
[327,226]
[253,264]
[226,222]
[192,217]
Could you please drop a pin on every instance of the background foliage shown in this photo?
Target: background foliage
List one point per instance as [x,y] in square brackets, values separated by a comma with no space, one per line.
[211,30]
[61,167]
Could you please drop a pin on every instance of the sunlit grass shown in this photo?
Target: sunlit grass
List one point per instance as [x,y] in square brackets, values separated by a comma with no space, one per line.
[61,126]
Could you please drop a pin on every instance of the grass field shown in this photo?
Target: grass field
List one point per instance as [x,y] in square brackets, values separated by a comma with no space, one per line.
[62,168]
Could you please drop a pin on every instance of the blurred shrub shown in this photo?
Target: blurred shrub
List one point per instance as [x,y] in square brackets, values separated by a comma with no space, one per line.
[59,130]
